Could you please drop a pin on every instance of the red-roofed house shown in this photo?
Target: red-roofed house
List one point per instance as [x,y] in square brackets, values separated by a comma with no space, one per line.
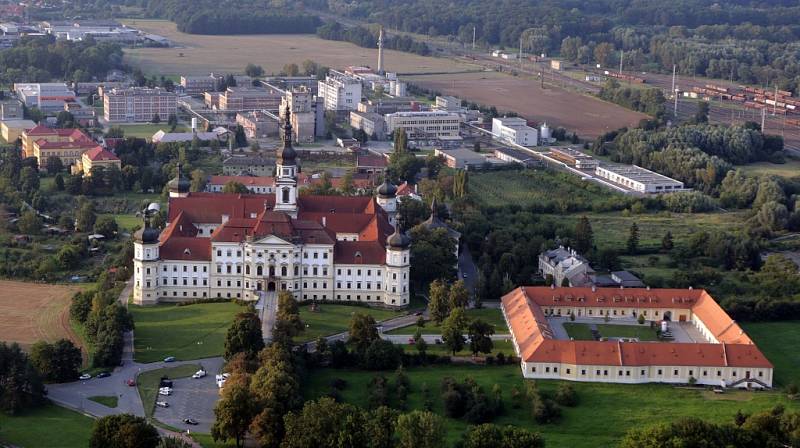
[96,157]
[724,355]
[67,144]
[245,246]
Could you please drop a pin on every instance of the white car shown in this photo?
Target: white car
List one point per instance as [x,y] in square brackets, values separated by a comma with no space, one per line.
[165,391]
[85,377]
[199,374]
[162,404]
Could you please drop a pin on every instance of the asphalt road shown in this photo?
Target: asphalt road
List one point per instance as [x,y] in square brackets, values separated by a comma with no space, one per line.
[192,398]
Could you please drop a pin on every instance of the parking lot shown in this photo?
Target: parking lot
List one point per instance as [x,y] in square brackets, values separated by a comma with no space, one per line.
[192,398]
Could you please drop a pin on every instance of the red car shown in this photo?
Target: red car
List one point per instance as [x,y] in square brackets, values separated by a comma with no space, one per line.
[131,382]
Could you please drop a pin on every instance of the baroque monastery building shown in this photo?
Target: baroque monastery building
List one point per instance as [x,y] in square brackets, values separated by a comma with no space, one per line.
[725,357]
[241,246]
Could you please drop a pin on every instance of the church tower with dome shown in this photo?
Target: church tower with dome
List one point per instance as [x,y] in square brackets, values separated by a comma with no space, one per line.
[286,172]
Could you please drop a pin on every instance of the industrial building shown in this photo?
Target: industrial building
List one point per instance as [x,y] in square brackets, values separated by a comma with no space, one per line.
[449,103]
[341,92]
[385,106]
[372,123]
[258,124]
[307,122]
[575,158]
[11,110]
[638,179]
[138,105]
[425,126]
[47,97]
[198,85]
[515,130]
[11,130]
[462,158]
[249,98]
[248,165]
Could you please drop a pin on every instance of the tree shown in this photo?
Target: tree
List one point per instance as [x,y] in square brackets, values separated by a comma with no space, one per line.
[287,323]
[240,139]
[488,435]
[28,181]
[411,212]
[480,337]
[432,255]
[602,53]
[584,237]
[58,362]
[362,331]
[244,336]
[400,140]
[438,301]
[347,187]
[420,429]
[459,295]
[106,226]
[54,165]
[382,355]
[453,330]
[234,411]
[123,431]
[254,71]
[173,442]
[199,180]
[59,182]
[324,423]
[29,223]
[172,121]
[156,119]
[701,116]
[666,242]
[86,217]
[633,239]
[566,395]
[234,187]
[419,343]
[290,70]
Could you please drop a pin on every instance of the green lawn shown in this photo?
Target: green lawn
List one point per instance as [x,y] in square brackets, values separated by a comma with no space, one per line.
[789,169]
[779,341]
[206,441]
[147,130]
[148,382]
[490,315]
[107,401]
[505,347]
[621,406]
[186,332]
[579,332]
[126,222]
[331,319]
[49,425]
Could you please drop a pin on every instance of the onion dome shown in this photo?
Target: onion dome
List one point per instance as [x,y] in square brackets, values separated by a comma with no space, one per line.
[398,240]
[146,235]
[287,154]
[179,184]
[387,190]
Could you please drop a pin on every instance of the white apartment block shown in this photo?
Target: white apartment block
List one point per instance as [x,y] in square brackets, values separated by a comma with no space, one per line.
[340,91]
[138,105]
[515,130]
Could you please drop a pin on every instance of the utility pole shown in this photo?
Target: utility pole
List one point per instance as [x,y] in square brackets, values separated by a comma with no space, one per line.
[675,93]
[673,78]
[474,31]
[621,58]
[763,119]
[775,100]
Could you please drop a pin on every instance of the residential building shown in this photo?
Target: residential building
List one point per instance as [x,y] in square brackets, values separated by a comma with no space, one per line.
[574,158]
[258,124]
[370,122]
[248,165]
[323,248]
[199,85]
[249,98]
[425,126]
[11,130]
[47,97]
[302,104]
[565,266]
[11,110]
[340,92]
[637,178]
[462,158]
[720,353]
[211,99]
[254,184]
[96,157]
[138,105]
[515,130]
[67,144]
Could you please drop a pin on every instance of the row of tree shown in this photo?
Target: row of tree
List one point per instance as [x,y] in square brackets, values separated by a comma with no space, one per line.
[367,38]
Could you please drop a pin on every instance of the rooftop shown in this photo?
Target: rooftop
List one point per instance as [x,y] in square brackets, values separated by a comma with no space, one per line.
[637,173]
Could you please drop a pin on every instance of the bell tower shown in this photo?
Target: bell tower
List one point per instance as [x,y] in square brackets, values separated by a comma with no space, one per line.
[286,171]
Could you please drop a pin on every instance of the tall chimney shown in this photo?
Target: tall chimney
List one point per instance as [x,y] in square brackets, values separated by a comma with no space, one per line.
[381,71]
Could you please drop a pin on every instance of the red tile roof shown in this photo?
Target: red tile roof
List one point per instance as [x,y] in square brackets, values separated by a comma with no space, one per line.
[534,338]
[371,161]
[98,153]
[359,252]
[186,248]
[616,297]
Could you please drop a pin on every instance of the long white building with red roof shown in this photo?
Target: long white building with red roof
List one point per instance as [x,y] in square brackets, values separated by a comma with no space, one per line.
[218,245]
[726,356]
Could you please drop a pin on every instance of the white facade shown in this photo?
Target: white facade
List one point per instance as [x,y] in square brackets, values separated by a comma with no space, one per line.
[340,91]
[638,179]
[425,125]
[515,130]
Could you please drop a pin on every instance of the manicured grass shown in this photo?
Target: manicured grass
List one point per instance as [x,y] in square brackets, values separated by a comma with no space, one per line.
[148,382]
[107,401]
[506,347]
[579,332]
[789,169]
[126,222]
[605,412]
[185,332]
[49,425]
[779,341]
[643,332]
[206,441]
[147,130]
[492,316]
[331,319]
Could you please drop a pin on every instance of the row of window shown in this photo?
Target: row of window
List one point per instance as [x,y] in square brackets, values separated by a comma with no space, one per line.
[643,372]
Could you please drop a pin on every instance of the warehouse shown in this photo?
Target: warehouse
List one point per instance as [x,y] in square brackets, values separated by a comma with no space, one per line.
[638,179]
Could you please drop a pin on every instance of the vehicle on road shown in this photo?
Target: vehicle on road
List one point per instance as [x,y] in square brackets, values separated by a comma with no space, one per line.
[165,391]
[199,374]
[464,275]
[85,377]
[103,375]
[418,313]
[169,359]
[411,341]
[162,404]
[190,421]
[438,341]
[131,382]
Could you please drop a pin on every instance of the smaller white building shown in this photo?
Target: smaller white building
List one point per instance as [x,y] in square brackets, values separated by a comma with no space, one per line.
[638,179]
[340,91]
[515,130]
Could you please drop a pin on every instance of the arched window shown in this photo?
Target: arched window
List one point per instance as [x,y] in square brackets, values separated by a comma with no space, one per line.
[260,270]
[285,195]
[283,271]
[247,269]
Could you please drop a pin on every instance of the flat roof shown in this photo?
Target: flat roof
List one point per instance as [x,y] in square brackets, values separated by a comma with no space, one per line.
[638,174]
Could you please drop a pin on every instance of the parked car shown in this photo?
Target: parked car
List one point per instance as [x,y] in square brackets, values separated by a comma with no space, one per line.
[464,275]
[165,382]
[165,391]
[190,421]
[131,382]
[103,375]
[418,313]
[85,377]
[411,341]
[199,374]
[169,359]
[162,404]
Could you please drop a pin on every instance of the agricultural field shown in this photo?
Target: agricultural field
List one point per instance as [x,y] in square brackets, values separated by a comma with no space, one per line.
[586,115]
[778,340]
[789,169]
[31,312]
[49,425]
[194,54]
[652,403]
[491,316]
[331,319]
[185,332]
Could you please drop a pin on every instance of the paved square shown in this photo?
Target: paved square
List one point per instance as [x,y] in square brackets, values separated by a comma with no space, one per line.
[192,398]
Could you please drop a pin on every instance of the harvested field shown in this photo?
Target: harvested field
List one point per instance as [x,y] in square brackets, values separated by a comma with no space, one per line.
[587,116]
[204,54]
[30,312]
